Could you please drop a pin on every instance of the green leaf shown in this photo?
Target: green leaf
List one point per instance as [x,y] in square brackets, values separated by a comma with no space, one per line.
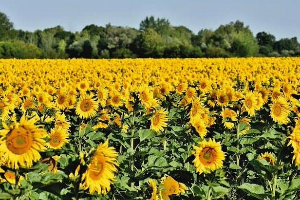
[146,134]
[161,162]
[5,196]
[234,166]
[295,184]
[254,190]
[219,191]
[96,135]
[175,164]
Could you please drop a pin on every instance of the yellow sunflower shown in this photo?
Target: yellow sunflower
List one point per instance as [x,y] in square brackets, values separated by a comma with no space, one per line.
[115,99]
[199,126]
[152,184]
[250,103]
[280,111]
[10,177]
[295,142]
[100,172]
[62,100]
[269,157]
[222,98]
[58,138]
[171,187]
[86,107]
[158,120]
[208,156]
[52,162]
[22,142]
[61,122]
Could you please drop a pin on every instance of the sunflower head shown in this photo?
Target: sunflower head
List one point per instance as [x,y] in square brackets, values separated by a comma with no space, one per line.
[208,156]
[158,120]
[21,143]
[269,157]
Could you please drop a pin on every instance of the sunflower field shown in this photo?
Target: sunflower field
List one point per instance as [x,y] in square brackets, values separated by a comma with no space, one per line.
[155,129]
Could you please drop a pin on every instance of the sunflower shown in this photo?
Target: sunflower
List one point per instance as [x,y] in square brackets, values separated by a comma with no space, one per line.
[250,103]
[295,143]
[269,157]
[275,93]
[22,142]
[228,114]
[181,87]
[102,96]
[190,94]
[171,187]
[61,122]
[222,98]
[264,94]
[208,156]
[100,172]
[199,126]
[158,120]
[280,111]
[52,162]
[10,177]
[62,100]
[115,99]
[58,138]
[86,107]
[196,108]
[152,184]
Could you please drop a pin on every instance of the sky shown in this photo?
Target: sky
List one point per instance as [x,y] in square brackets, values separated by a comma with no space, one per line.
[278,17]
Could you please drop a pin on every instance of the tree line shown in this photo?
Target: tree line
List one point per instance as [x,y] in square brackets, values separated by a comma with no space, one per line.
[155,38]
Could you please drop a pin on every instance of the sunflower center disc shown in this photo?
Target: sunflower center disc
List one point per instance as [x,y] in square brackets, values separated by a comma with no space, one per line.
[277,110]
[156,120]
[85,105]
[19,141]
[248,103]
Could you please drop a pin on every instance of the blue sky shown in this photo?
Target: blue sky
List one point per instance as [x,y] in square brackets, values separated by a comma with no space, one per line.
[278,17]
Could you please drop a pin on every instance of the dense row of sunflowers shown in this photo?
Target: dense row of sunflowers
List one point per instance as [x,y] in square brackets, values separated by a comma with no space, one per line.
[150,129]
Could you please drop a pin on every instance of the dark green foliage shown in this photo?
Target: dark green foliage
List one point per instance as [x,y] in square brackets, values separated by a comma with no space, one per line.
[156,38]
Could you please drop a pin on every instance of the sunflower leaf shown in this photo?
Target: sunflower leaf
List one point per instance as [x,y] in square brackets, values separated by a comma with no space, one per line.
[254,190]
[5,196]
[146,134]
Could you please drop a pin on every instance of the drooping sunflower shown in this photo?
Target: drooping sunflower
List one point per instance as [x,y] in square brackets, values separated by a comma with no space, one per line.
[280,111]
[86,107]
[171,187]
[22,142]
[158,120]
[199,126]
[52,162]
[102,96]
[152,184]
[10,177]
[58,138]
[61,122]
[269,157]
[208,156]
[101,171]
[229,114]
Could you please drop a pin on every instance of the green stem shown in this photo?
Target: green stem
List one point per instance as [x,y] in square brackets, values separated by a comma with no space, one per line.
[165,145]
[238,146]
[274,186]
[208,195]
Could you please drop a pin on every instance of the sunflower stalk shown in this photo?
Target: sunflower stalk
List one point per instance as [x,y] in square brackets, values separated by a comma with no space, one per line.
[274,186]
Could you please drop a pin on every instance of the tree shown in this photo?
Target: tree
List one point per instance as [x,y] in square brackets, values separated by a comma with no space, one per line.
[150,44]
[5,26]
